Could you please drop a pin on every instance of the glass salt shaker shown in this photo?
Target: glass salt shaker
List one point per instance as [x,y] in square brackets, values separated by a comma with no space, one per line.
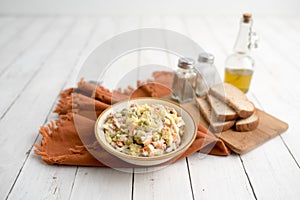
[184,80]
[207,74]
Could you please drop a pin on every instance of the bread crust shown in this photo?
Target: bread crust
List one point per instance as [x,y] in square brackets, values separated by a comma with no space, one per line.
[222,111]
[234,98]
[244,124]
[214,124]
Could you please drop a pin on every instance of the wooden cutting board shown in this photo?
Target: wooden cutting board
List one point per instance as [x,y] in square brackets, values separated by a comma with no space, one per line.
[242,142]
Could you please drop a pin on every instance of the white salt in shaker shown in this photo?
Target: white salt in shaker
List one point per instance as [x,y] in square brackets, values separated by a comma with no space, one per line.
[207,74]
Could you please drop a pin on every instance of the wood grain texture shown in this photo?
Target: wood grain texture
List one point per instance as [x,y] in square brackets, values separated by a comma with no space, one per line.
[215,177]
[22,39]
[242,142]
[11,31]
[102,183]
[210,175]
[270,171]
[21,59]
[41,96]
[5,21]
[165,182]
[264,88]
[272,96]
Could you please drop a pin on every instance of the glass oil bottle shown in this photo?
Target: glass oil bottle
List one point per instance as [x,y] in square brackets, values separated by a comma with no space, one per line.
[239,66]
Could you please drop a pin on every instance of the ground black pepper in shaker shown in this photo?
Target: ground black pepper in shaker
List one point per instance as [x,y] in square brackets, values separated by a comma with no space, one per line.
[184,80]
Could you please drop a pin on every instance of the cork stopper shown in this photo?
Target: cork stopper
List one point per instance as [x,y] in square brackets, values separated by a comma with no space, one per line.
[247,17]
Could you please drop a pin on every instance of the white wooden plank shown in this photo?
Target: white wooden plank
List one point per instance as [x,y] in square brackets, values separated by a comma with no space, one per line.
[98,36]
[216,177]
[23,40]
[126,23]
[124,61]
[151,21]
[278,53]
[294,22]
[161,183]
[278,34]
[153,59]
[33,107]
[224,175]
[175,24]
[270,177]
[103,23]
[101,183]
[200,31]
[282,74]
[283,170]
[279,101]
[44,181]
[15,47]
[272,161]
[29,63]
[12,30]
[5,21]
[284,28]
[171,182]
[123,72]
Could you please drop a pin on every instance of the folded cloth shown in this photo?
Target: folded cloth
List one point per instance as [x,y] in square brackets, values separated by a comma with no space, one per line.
[98,92]
[67,144]
[63,144]
[79,103]
[150,89]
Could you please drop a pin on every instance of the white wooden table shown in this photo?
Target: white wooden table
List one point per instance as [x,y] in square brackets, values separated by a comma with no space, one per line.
[39,56]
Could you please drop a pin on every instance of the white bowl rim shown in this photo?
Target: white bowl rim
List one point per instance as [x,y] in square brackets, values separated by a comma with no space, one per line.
[121,155]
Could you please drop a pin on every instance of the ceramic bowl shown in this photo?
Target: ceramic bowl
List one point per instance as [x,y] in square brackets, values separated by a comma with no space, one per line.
[186,140]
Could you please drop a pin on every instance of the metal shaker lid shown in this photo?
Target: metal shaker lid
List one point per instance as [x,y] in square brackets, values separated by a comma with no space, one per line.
[206,58]
[186,63]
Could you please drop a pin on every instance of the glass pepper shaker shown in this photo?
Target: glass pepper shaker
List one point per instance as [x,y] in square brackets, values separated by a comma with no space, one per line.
[184,80]
[207,74]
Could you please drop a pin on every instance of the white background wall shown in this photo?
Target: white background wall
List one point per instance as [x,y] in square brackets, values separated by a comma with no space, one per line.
[161,7]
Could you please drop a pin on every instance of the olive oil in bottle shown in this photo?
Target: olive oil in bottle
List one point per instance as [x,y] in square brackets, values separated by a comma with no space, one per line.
[239,77]
[239,66]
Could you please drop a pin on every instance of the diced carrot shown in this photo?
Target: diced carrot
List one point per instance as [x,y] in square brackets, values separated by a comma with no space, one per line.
[120,144]
[147,142]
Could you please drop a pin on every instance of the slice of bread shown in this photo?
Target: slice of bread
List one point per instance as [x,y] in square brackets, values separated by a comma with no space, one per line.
[221,110]
[208,115]
[234,97]
[248,124]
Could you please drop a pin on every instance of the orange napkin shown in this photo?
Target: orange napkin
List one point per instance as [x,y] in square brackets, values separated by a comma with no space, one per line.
[62,142]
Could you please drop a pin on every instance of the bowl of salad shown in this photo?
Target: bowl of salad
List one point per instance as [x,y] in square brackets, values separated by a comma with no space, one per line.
[145,131]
